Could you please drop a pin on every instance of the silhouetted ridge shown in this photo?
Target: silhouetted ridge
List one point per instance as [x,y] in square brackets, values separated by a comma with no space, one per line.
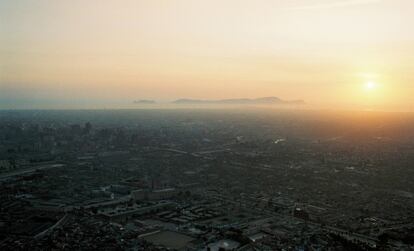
[144,101]
[263,100]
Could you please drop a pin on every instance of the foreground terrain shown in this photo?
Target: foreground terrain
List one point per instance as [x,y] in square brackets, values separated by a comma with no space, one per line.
[206,180]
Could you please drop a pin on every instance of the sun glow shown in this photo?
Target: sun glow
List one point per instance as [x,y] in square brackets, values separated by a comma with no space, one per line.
[370,86]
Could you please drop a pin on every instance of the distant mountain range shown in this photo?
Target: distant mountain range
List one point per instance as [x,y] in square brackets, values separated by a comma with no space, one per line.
[238,101]
[144,101]
[241,101]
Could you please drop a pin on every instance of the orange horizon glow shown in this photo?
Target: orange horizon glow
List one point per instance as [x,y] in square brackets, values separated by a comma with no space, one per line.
[338,53]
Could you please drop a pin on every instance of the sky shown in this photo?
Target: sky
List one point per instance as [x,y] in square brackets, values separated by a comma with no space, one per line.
[100,53]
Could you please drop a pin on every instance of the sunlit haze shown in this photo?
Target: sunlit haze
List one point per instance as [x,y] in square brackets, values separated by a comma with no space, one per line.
[221,125]
[94,54]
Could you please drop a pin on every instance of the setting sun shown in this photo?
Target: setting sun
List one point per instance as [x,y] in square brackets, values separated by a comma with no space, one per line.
[100,54]
[207,125]
[370,85]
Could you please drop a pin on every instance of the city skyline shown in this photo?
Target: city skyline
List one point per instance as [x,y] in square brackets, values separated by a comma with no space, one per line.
[221,125]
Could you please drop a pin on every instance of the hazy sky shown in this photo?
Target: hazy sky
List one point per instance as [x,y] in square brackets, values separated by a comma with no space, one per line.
[88,53]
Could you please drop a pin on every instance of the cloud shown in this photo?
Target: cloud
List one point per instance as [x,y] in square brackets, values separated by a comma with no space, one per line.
[334,4]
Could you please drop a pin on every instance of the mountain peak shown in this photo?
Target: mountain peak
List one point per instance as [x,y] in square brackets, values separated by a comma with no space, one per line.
[239,101]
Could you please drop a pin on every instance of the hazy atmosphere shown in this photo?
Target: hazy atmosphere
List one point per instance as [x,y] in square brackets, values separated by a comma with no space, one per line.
[95,54]
[214,125]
